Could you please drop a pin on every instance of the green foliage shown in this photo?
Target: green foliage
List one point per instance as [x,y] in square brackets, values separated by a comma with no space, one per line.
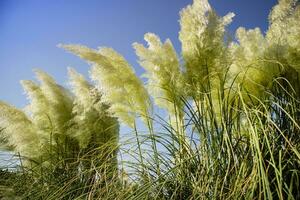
[231,130]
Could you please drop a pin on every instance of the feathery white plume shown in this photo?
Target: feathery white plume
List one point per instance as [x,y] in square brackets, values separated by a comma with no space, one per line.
[115,78]
[19,131]
[165,81]
[93,124]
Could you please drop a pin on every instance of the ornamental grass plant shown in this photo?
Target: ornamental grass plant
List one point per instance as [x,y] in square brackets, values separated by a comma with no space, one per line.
[221,120]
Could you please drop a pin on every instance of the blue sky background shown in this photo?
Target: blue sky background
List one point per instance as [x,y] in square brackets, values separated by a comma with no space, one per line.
[31,29]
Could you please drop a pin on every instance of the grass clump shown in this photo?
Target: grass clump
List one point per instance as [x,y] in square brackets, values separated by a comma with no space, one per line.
[229,129]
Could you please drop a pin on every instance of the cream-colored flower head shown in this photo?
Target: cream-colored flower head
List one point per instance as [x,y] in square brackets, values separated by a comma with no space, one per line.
[257,60]
[165,81]
[203,47]
[81,89]
[117,81]
[283,19]
[283,34]
[47,101]
[19,131]
[248,69]
[92,123]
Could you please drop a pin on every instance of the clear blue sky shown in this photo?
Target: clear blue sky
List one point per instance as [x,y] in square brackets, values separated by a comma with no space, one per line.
[31,29]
